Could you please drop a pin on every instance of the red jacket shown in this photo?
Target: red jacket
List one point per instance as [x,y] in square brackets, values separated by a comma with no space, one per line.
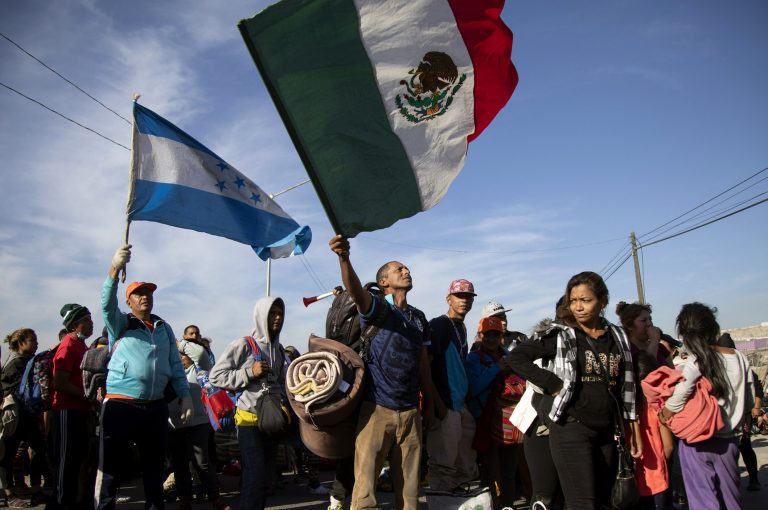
[699,419]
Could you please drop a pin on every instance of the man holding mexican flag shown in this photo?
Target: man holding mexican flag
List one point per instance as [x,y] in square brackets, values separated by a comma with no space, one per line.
[381,99]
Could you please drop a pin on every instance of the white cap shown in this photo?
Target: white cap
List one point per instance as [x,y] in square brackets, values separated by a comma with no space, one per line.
[492,308]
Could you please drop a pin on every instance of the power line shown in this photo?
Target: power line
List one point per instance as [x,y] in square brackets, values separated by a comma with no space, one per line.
[313,275]
[61,76]
[705,224]
[618,262]
[704,211]
[617,267]
[721,211]
[615,257]
[64,116]
[703,203]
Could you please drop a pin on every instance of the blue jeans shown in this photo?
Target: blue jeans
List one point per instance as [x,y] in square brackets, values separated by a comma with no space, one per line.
[257,458]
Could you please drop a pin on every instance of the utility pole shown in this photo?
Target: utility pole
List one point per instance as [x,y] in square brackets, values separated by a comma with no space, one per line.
[638,278]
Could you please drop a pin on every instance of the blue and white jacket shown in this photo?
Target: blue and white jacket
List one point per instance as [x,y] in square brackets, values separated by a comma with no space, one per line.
[144,361]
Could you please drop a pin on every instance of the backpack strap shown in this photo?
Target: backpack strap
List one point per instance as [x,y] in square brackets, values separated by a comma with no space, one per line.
[255,351]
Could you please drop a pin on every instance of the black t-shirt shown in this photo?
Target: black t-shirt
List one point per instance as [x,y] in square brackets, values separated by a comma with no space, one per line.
[591,404]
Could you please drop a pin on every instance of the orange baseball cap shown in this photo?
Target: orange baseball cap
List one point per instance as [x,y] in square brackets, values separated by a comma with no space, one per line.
[134,286]
[490,324]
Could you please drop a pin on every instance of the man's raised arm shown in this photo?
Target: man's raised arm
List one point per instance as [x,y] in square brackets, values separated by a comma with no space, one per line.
[362,298]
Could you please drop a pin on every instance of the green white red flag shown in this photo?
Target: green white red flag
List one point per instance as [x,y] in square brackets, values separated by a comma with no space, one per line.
[381,98]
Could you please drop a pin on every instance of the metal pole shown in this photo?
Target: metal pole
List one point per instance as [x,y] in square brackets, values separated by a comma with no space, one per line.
[269,260]
[638,279]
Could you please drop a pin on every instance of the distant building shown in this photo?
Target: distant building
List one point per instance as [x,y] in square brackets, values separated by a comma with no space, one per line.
[753,342]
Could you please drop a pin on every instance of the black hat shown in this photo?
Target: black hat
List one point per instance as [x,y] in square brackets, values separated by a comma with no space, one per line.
[72,313]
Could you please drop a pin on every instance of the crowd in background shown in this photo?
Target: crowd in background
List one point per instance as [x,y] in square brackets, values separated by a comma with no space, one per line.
[446,404]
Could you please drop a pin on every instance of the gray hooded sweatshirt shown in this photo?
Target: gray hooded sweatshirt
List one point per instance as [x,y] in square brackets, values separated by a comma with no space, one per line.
[233,372]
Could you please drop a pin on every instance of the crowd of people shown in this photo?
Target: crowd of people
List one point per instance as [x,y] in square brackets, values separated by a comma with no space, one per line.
[446,403]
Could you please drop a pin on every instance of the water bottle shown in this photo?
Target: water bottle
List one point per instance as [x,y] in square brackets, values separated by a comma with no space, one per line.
[204,382]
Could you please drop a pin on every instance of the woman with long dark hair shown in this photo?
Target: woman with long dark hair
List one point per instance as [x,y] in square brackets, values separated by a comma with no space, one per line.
[711,466]
[23,346]
[587,382]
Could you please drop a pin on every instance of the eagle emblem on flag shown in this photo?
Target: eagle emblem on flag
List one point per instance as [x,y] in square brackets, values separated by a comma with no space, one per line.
[430,89]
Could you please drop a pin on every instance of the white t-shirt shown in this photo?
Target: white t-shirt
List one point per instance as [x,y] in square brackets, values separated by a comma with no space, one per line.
[740,398]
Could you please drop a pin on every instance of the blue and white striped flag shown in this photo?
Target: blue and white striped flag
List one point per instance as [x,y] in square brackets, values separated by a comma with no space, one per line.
[178,181]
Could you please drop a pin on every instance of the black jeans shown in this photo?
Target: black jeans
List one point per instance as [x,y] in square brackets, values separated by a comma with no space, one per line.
[190,444]
[27,430]
[586,460]
[748,456]
[544,481]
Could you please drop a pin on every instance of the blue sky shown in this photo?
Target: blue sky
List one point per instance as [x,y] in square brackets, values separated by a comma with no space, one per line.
[627,114]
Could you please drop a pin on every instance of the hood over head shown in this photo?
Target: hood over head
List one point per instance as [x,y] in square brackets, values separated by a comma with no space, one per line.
[260,316]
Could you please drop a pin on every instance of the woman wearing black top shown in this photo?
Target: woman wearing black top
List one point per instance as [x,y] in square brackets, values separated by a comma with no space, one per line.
[23,345]
[588,372]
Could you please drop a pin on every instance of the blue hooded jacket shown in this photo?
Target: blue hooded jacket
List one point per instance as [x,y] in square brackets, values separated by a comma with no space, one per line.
[144,361]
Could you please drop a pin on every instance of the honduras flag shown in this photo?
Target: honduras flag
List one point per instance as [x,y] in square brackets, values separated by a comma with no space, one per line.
[178,181]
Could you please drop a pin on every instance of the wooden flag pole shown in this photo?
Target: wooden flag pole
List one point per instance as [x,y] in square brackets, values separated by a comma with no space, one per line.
[127,233]
[131,176]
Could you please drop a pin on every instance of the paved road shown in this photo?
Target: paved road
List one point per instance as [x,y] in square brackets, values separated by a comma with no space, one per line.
[294,493]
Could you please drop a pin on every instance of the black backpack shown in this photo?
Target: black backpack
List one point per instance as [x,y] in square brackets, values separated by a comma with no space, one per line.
[343,321]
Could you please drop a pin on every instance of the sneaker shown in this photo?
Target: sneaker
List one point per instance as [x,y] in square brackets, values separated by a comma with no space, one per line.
[335,504]
[320,490]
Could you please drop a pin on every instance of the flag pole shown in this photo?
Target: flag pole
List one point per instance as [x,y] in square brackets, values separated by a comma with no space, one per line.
[269,260]
[131,180]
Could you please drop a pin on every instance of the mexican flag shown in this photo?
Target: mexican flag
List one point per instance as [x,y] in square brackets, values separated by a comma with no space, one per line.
[382,97]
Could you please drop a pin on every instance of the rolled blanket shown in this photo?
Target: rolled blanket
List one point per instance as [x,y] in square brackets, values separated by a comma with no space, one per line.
[314,377]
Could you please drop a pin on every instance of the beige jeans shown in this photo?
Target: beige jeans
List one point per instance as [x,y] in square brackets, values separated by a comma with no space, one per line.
[383,433]
[449,445]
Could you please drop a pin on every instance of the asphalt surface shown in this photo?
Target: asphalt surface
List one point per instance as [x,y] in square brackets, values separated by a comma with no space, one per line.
[294,492]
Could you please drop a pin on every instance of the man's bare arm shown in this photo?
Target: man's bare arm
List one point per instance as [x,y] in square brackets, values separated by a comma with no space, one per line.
[340,246]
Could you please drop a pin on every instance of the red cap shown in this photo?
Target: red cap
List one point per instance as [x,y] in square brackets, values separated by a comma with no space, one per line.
[461,286]
[134,286]
[490,324]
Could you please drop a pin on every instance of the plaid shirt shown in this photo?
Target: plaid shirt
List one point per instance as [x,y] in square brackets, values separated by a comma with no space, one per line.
[565,367]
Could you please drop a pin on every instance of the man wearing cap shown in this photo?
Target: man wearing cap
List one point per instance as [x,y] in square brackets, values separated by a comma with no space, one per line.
[511,339]
[397,366]
[449,440]
[144,365]
[71,410]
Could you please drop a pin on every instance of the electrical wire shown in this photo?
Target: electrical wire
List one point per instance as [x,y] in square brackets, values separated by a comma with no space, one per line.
[313,275]
[722,211]
[703,203]
[612,267]
[705,224]
[64,116]
[615,257]
[617,267]
[710,208]
[60,75]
